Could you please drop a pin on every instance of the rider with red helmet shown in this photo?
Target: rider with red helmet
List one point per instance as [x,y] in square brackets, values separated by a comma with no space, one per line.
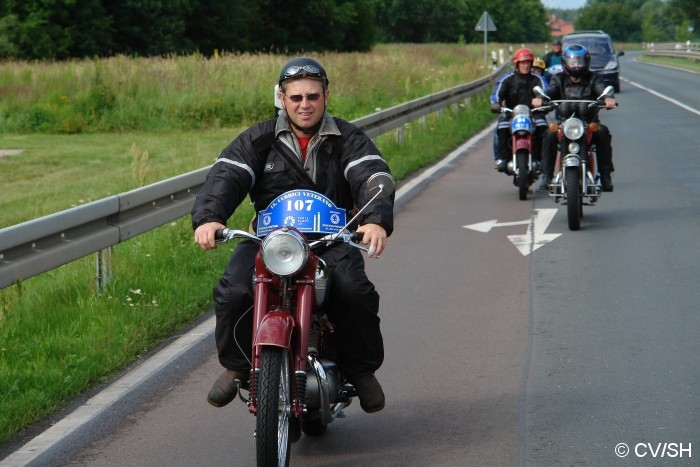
[514,90]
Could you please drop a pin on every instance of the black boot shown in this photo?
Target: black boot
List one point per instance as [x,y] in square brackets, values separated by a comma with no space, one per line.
[606,181]
[370,393]
[225,388]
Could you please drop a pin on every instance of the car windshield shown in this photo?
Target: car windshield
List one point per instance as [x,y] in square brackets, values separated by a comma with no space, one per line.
[594,45]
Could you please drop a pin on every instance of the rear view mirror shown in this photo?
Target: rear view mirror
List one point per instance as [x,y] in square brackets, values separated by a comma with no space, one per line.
[381,185]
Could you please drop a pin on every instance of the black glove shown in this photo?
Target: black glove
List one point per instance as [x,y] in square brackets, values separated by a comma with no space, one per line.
[495,108]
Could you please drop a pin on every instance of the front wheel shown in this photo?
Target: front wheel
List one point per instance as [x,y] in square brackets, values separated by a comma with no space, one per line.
[272,431]
[523,169]
[574,202]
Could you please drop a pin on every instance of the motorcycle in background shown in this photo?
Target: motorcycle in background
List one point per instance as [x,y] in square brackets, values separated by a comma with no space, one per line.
[576,179]
[522,166]
[295,384]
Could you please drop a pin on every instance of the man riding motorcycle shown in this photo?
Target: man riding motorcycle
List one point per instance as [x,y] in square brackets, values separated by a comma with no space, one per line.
[304,148]
[517,89]
[579,82]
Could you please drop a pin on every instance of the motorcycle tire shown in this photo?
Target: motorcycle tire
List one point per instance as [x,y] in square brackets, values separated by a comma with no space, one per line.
[574,202]
[521,162]
[274,408]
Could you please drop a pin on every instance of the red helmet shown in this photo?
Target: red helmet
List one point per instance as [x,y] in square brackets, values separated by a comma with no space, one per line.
[523,55]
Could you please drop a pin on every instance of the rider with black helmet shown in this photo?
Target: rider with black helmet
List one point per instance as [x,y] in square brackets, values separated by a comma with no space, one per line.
[579,82]
[302,148]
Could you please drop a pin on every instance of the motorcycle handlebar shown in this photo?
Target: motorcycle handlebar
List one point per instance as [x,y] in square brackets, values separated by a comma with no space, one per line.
[553,104]
[354,237]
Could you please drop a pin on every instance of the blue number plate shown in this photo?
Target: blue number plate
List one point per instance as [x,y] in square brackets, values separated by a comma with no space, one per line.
[521,122]
[305,210]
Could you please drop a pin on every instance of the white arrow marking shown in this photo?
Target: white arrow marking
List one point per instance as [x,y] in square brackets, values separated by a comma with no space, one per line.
[486,227]
[535,236]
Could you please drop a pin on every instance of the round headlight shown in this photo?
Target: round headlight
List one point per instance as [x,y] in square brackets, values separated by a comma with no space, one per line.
[574,148]
[284,252]
[573,128]
[521,109]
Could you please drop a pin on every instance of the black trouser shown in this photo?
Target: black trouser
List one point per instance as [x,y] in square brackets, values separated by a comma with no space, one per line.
[352,306]
[602,139]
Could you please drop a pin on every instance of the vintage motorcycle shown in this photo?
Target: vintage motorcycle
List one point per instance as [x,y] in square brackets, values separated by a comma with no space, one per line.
[522,166]
[576,179]
[295,385]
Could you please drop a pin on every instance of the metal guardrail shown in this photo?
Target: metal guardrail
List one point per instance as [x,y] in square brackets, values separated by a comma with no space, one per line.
[687,49]
[39,245]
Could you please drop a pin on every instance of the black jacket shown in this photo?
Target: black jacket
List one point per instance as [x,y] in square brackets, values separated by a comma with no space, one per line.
[589,88]
[264,162]
[561,87]
[517,89]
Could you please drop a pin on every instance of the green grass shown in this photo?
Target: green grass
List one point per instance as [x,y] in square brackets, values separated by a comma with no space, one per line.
[692,65]
[122,94]
[58,336]
[57,172]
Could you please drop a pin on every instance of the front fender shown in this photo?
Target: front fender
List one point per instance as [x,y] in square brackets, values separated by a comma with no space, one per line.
[275,329]
[571,161]
[521,143]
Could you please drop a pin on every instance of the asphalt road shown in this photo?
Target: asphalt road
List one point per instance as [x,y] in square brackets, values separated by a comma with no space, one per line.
[495,355]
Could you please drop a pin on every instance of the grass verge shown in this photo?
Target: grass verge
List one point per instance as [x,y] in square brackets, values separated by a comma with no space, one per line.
[683,63]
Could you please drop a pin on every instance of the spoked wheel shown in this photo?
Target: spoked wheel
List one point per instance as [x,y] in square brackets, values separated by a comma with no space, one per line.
[521,161]
[272,431]
[574,202]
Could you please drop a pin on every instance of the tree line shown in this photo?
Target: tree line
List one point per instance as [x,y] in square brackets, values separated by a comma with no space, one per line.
[642,20]
[64,29]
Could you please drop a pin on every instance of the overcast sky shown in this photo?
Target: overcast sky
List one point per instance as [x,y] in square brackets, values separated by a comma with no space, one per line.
[570,4]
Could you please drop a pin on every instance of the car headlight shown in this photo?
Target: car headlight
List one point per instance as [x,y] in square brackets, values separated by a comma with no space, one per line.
[611,65]
[284,252]
[573,128]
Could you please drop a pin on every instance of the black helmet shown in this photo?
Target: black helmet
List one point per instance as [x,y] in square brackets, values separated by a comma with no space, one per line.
[303,67]
[576,60]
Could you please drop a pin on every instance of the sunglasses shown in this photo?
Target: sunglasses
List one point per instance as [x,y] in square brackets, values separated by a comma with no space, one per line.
[309,70]
[309,97]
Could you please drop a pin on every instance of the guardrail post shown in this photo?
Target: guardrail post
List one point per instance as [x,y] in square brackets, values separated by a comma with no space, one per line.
[399,135]
[103,268]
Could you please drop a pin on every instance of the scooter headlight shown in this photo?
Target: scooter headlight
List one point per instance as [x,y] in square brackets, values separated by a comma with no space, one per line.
[573,128]
[284,252]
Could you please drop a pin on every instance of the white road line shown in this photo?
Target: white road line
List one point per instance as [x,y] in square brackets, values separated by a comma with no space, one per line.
[662,96]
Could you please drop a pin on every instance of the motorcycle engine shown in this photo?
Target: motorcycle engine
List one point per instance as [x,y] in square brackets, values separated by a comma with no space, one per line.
[329,376]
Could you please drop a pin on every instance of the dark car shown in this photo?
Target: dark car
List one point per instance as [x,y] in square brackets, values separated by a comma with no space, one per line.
[604,60]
